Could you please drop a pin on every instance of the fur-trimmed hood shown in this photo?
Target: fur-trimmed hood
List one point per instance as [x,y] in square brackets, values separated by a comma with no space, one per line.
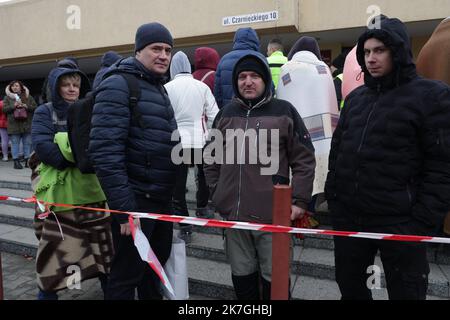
[11,95]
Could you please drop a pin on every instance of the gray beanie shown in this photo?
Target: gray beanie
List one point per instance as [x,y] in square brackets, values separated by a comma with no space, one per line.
[150,33]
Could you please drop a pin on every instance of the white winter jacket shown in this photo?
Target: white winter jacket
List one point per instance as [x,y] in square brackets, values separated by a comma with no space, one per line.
[193,103]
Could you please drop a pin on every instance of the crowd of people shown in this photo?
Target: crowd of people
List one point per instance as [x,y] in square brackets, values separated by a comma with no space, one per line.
[381,165]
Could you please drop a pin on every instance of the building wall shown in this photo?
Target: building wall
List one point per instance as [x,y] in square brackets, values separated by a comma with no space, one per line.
[108,23]
[36,30]
[319,15]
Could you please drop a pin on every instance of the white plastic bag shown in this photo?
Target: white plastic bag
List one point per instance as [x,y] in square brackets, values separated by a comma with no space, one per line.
[176,271]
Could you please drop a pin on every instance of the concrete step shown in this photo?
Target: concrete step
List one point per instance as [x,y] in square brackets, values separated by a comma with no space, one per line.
[318,263]
[213,279]
[17,193]
[17,216]
[208,248]
[17,185]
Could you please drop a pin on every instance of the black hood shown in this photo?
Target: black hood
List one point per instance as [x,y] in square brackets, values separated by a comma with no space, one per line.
[305,44]
[393,34]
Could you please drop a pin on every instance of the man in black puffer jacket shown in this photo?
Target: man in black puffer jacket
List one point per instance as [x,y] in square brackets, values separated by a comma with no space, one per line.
[389,166]
[131,152]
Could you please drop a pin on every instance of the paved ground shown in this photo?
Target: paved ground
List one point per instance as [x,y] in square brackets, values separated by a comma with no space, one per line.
[7,172]
[19,282]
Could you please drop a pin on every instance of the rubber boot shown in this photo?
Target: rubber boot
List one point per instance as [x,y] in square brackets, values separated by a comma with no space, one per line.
[17,164]
[26,163]
[246,287]
[267,289]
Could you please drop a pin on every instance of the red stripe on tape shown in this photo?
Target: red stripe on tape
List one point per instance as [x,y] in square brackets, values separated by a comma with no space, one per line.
[220,224]
[170,219]
[276,229]
[407,238]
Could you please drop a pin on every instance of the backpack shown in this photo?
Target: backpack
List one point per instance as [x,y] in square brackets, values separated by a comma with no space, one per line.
[79,121]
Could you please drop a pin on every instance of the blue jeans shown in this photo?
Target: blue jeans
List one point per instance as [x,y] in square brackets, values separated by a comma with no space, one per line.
[15,143]
[44,295]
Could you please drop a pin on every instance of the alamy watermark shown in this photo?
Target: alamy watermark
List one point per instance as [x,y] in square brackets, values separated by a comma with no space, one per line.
[73,21]
[374,20]
[74,280]
[374,280]
[253,146]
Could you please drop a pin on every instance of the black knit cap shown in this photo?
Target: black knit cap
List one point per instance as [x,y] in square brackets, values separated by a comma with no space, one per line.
[151,33]
[251,64]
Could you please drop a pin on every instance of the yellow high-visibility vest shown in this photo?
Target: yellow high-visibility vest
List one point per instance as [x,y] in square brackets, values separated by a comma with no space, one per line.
[276,61]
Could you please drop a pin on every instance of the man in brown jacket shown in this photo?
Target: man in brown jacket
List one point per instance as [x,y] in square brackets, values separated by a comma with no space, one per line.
[255,140]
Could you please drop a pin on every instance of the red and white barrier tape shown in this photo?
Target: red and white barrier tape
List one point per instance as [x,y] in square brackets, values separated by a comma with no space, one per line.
[147,254]
[247,225]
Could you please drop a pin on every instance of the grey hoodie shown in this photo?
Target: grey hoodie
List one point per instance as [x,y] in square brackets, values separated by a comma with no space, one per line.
[180,64]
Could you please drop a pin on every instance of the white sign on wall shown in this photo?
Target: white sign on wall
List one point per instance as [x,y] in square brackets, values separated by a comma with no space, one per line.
[250,18]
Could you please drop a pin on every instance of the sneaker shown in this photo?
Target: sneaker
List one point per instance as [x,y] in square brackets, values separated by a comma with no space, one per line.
[5,158]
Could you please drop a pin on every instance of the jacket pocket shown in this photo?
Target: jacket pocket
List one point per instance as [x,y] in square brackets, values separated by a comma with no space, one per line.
[222,198]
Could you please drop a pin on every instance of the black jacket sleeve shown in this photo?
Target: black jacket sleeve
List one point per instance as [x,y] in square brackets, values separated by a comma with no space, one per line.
[330,183]
[433,192]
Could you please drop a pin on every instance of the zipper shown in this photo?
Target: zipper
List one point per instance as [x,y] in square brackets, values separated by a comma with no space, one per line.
[240,165]
[408,190]
[363,136]
[257,135]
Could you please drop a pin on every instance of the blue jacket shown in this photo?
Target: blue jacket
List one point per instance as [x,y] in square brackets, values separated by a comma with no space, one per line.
[245,41]
[42,128]
[131,160]
[108,59]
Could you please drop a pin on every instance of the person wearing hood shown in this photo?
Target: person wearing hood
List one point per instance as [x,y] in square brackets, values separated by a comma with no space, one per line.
[70,237]
[108,59]
[307,83]
[305,43]
[245,41]
[206,61]
[68,63]
[242,186]
[17,99]
[389,166]
[195,109]
[131,153]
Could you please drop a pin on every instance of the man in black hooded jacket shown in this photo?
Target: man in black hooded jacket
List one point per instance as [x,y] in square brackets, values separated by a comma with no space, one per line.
[389,167]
